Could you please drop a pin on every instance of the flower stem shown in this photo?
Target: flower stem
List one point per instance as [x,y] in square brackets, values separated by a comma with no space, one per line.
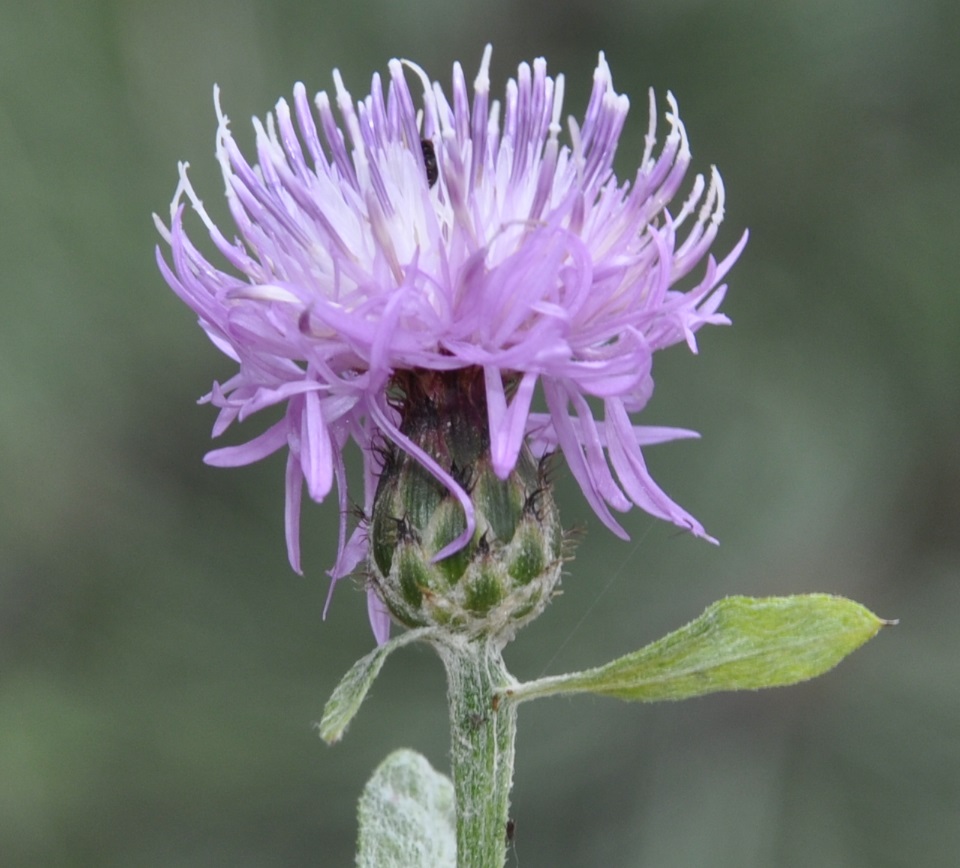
[482,740]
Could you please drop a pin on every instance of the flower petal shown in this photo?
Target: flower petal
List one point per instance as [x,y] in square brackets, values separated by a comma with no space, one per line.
[260,447]
[525,256]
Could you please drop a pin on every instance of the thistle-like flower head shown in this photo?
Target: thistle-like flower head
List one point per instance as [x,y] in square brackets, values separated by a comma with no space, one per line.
[460,234]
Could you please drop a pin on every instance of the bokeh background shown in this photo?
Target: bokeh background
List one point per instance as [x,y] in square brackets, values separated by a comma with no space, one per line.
[160,666]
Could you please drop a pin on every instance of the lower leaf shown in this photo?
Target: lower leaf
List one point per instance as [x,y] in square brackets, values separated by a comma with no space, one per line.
[407,816]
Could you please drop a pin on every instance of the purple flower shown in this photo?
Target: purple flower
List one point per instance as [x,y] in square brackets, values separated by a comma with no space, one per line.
[406,238]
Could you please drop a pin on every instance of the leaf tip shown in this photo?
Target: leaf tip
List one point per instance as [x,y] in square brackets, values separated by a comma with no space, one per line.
[330,735]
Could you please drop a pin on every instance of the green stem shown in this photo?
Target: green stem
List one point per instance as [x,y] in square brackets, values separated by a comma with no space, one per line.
[482,736]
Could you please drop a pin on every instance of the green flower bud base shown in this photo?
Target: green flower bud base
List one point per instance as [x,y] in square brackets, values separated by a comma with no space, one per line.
[506,574]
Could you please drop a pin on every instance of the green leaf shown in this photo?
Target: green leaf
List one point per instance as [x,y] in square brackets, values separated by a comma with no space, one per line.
[407,816]
[352,689]
[739,643]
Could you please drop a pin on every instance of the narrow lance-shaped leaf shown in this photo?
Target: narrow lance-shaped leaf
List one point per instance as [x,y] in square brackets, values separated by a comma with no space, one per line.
[407,816]
[353,687]
[739,643]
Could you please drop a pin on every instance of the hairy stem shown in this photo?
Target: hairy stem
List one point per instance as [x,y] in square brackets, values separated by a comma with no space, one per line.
[482,736]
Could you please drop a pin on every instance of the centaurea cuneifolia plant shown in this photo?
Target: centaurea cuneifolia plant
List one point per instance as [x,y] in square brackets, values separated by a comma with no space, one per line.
[408,277]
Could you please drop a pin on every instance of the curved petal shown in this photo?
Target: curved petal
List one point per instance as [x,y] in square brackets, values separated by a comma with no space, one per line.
[379,617]
[291,511]
[260,447]
[507,423]
[317,450]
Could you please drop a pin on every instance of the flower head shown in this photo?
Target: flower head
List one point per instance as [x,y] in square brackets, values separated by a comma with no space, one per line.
[458,235]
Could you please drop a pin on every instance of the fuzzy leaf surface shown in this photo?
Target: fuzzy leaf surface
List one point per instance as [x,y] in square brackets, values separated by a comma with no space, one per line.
[353,687]
[738,643]
[407,816]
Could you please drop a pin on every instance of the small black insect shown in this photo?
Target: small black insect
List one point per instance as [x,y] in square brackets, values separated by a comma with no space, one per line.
[430,161]
[511,830]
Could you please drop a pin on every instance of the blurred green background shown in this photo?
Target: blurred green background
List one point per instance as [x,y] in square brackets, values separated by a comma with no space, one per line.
[160,666]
